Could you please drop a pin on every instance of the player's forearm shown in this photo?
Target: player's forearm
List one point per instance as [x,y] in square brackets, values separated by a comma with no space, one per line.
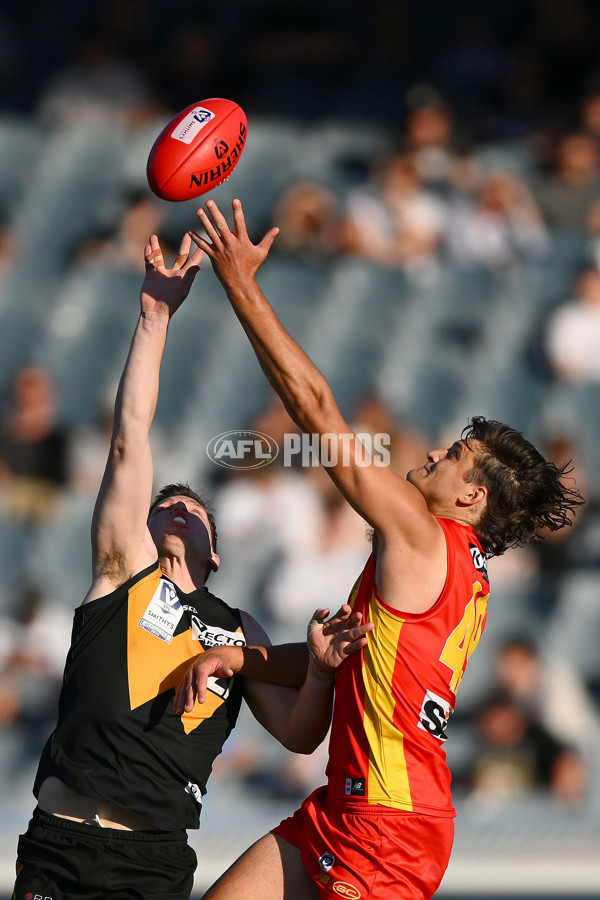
[310,717]
[138,389]
[291,373]
[284,664]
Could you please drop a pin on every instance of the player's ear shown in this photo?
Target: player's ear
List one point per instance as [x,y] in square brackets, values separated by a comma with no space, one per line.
[214,562]
[475,493]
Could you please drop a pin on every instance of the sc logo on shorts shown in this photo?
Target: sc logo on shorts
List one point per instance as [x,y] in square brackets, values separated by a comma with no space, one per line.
[348,891]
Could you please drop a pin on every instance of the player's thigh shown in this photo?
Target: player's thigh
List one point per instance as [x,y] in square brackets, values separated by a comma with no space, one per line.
[271,869]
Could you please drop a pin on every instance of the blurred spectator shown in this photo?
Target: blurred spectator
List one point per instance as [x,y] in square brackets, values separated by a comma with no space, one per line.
[311,222]
[593,228]
[98,85]
[267,510]
[124,250]
[34,447]
[393,220]
[500,226]
[559,553]
[565,197]
[429,138]
[516,755]
[264,514]
[551,693]
[590,114]
[408,448]
[8,245]
[90,444]
[31,670]
[573,332]
[306,578]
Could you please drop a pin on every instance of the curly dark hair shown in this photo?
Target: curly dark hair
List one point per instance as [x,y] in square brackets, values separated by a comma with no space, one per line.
[527,495]
[184,490]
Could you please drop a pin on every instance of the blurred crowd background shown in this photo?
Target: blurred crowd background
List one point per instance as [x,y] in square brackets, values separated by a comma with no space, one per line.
[434,168]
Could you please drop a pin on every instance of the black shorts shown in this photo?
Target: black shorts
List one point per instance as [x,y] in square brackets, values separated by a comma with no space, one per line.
[62,860]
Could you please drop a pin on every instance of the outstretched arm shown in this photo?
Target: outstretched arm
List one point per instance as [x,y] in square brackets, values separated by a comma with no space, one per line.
[394,507]
[121,544]
[299,719]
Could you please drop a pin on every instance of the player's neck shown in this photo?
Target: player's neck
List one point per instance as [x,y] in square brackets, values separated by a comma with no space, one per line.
[187,577]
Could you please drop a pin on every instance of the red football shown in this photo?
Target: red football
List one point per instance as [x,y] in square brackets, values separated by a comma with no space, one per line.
[197,150]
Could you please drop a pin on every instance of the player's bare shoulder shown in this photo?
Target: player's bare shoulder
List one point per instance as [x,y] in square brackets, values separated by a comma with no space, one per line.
[411,574]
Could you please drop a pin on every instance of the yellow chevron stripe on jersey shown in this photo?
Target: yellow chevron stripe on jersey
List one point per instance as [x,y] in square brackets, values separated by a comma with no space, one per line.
[388,772]
[148,658]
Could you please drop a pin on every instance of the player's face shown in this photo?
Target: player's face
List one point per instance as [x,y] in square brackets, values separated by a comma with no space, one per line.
[442,480]
[181,520]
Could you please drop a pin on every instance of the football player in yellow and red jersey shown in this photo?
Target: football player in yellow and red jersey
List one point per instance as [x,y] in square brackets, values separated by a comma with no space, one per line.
[383,826]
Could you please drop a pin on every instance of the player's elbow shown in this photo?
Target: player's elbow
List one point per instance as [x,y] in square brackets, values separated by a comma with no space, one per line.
[302,745]
[313,407]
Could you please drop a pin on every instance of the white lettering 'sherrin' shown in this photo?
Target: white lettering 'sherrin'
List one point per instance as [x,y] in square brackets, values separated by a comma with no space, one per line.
[188,128]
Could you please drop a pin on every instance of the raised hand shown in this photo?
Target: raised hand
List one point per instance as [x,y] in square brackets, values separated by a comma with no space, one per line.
[235,259]
[213,663]
[164,290]
[331,641]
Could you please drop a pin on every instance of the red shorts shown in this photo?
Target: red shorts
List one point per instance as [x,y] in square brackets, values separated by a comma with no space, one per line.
[353,851]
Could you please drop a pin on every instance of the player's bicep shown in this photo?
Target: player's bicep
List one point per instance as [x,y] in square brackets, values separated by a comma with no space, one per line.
[120,539]
[271,705]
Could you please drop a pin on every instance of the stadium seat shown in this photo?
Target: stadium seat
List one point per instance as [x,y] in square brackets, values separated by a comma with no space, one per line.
[21,142]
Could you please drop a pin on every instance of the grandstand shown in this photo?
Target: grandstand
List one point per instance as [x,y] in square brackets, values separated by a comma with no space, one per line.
[436,343]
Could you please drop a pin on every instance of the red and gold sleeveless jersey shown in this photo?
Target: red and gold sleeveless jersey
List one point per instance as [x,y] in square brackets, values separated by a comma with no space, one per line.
[394,698]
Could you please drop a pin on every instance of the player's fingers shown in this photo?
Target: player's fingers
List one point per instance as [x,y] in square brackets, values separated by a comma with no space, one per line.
[267,242]
[190,698]
[177,709]
[183,252]
[179,700]
[152,258]
[209,227]
[155,256]
[218,218]
[317,620]
[189,265]
[356,645]
[203,245]
[341,616]
[239,220]
[200,687]
[195,259]
[353,620]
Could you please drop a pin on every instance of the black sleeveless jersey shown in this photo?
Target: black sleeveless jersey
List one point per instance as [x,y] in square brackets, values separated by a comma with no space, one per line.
[117,738]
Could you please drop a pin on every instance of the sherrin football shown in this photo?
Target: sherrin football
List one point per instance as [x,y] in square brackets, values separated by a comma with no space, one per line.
[197,150]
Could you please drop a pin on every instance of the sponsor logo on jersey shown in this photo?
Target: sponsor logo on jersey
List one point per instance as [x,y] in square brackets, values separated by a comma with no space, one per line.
[355,787]
[32,896]
[163,613]
[435,713]
[195,791]
[349,891]
[479,560]
[326,861]
[212,635]
[322,878]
